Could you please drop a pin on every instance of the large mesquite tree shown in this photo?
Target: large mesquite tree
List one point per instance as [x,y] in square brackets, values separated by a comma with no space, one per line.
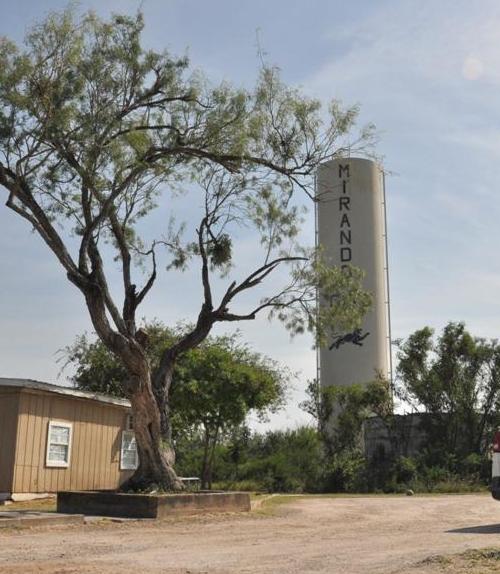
[214,386]
[96,131]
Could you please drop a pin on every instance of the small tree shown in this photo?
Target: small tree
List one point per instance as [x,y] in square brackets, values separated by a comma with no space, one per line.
[95,131]
[455,380]
[339,411]
[217,386]
[214,387]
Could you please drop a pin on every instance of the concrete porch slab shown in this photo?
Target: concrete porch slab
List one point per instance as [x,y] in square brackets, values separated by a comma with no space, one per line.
[29,518]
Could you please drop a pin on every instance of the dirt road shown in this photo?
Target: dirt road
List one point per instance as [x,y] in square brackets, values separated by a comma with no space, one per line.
[320,535]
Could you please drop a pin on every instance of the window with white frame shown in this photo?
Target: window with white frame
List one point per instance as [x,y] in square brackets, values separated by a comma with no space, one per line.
[59,444]
[129,422]
[129,459]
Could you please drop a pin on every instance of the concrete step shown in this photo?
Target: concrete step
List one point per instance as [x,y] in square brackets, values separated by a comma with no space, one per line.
[29,518]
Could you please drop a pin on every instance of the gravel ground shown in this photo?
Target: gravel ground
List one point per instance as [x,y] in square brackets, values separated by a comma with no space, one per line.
[411,535]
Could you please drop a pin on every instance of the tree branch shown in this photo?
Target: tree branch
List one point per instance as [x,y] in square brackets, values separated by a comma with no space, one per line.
[205,276]
[37,217]
[254,279]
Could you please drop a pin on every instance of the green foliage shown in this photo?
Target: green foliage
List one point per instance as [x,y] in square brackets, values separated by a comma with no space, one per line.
[339,411]
[348,302]
[97,131]
[344,472]
[293,462]
[98,370]
[296,461]
[214,387]
[406,469]
[277,461]
[456,379]
[453,381]
[218,383]
[353,405]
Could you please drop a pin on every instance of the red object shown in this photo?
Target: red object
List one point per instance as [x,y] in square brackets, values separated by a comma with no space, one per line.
[496,442]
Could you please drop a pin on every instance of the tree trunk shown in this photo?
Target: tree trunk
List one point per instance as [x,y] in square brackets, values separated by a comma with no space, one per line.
[161,394]
[212,458]
[150,412]
[204,466]
[156,455]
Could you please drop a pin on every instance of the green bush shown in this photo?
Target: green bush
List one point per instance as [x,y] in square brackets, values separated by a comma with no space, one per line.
[345,472]
[406,469]
[296,461]
[240,485]
[284,461]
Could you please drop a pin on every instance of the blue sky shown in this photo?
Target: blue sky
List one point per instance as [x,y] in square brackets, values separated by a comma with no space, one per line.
[426,73]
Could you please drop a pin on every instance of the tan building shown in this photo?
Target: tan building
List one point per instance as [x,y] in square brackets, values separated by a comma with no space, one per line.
[55,438]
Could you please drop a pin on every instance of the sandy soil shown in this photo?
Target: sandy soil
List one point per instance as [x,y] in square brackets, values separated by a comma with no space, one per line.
[320,535]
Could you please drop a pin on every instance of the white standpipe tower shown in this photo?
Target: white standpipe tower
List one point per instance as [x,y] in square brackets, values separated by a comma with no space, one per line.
[351,229]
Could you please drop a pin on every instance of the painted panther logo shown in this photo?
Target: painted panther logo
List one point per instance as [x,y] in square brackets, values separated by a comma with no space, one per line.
[356,338]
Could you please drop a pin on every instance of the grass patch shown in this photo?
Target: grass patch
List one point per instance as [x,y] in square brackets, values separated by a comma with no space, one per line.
[483,561]
[274,502]
[492,554]
[439,560]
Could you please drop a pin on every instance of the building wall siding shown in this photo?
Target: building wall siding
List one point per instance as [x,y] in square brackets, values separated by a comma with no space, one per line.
[95,444]
[9,401]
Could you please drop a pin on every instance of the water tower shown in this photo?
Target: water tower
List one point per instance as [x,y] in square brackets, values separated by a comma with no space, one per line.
[351,229]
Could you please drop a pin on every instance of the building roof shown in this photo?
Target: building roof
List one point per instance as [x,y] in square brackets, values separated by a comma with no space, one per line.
[59,390]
